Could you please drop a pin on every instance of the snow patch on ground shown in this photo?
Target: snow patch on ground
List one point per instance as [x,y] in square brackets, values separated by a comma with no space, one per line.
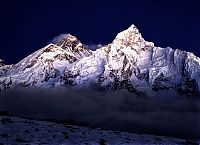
[14,130]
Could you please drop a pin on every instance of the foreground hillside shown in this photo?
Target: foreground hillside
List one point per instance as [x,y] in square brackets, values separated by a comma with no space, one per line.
[14,130]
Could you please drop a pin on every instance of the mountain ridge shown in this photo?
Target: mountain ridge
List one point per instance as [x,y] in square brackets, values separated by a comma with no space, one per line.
[129,62]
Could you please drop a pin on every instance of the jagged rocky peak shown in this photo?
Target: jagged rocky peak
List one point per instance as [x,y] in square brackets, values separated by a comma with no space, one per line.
[132,37]
[65,39]
[71,44]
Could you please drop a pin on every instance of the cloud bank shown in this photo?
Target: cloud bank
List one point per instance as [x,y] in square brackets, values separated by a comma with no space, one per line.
[165,114]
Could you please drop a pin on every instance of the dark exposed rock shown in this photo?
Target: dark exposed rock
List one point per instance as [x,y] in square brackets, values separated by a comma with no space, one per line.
[126,84]
[65,56]
[68,78]
[143,76]
[49,49]
[71,43]
[102,141]
[189,87]
[160,83]
[30,64]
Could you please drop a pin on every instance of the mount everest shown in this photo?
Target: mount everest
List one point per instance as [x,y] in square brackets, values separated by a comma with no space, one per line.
[129,62]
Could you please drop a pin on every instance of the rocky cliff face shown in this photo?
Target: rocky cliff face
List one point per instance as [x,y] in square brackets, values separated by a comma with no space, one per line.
[129,62]
[3,68]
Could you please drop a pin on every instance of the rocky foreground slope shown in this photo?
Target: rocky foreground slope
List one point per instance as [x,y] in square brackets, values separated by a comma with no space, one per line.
[16,130]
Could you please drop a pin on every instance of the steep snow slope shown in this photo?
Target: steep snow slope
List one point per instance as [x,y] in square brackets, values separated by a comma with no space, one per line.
[128,62]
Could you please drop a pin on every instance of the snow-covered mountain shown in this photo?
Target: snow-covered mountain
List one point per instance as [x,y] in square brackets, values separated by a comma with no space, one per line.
[129,62]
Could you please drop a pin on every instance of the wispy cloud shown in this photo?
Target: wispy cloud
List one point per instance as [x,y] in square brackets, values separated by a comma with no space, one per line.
[58,38]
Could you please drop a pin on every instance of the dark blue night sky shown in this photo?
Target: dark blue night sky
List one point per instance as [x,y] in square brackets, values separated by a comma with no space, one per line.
[26,26]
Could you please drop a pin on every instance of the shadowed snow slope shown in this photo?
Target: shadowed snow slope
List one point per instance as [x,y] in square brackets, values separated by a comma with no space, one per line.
[41,132]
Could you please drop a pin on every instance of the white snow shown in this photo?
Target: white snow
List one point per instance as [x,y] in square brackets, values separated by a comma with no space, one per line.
[128,57]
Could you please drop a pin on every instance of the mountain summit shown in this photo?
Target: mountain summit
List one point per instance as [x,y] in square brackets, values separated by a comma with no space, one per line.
[132,37]
[129,62]
[71,44]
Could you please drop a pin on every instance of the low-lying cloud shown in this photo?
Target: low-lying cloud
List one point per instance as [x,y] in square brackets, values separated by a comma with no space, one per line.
[163,114]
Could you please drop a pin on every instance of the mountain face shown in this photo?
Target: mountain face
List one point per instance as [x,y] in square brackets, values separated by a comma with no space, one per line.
[129,62]
[3,68]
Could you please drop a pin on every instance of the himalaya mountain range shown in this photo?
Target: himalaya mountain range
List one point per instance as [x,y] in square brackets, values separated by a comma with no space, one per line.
[129,62]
